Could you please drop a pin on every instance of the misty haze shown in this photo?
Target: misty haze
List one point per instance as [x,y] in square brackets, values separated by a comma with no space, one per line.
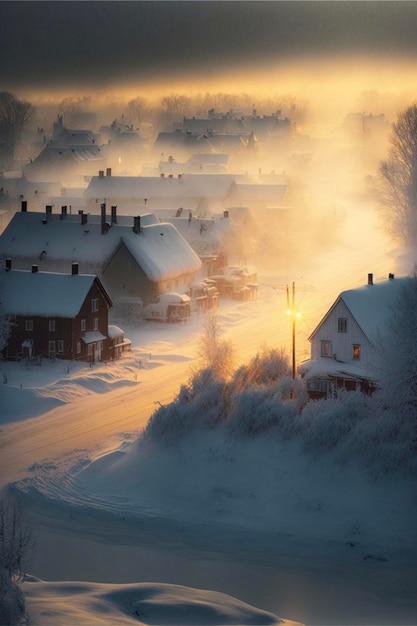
[208,313]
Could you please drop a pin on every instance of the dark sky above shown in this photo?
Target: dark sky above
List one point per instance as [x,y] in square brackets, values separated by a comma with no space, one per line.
[49,44]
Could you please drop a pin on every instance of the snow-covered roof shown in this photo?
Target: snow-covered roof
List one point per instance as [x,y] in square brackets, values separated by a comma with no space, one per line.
[92,336]
[43,293]
[159,248]
[114,331]
[186,185]
[326,367]
[371,305]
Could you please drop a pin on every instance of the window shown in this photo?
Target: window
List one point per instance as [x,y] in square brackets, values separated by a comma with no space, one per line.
[60,345]
[51,347]
[356,352]
[342,325]
[51,326]
[29,325]
[94,305]
[95,323]
[78,347]
[83,325]
[326,348]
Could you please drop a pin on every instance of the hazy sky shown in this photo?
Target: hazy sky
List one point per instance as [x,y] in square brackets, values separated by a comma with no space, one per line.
[61,44]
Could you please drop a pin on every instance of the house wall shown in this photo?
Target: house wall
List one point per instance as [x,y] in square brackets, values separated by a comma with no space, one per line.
[342,342]
[123,277]
[69,330]
[40,336]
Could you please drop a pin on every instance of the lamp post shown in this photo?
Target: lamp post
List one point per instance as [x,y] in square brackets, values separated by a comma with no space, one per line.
[292,310]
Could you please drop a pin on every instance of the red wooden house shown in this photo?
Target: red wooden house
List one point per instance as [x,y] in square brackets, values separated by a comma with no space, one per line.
[55,315]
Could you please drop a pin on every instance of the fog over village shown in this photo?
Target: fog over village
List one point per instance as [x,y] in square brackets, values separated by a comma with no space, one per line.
[208,313]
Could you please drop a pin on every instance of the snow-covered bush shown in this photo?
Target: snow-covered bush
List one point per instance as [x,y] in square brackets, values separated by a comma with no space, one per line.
[265,368]
[326,423]
[255,412]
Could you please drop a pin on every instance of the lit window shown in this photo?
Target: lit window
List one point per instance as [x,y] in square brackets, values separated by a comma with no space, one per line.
[356,352]
[60,345]
[51,326]
[342,325]
[94,305]
[83,325]
[95,323]
[29,325]
[326,348]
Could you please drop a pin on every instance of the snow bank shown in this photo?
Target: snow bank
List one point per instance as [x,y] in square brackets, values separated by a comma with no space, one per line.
[63,603]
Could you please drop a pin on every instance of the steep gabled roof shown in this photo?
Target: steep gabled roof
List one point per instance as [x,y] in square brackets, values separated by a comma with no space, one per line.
[159,248]
[370,305]
[44,294]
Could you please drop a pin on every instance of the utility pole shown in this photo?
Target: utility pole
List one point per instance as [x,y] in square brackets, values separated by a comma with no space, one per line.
[291,310]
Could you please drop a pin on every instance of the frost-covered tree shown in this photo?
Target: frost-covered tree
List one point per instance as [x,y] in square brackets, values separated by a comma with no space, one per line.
[399,179]
[16,539]
[213,352]
[399,354]
[14,115]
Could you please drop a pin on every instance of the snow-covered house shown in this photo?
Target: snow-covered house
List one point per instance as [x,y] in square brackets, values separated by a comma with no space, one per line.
[69,155]
[55,315]
[192,192]
[140,259]
[344,345]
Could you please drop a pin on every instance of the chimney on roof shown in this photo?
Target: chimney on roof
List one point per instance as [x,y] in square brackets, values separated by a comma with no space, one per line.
[64,211]
[74,269]
[108,171]
[114,214]
[370,279]
[8,265]
[24,206]
[48,210]
[136,224]
[103,219]
[226,214]
[391,276]
[101,174]
[34,269]
[84,218]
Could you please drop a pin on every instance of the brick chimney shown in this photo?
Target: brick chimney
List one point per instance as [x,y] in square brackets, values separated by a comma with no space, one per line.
[34,269]
[114,214]
[370,279]
[74,269]
[108,171]
[24,206]
[8,265]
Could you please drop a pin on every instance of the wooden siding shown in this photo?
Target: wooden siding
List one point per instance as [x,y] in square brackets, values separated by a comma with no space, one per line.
[341,342]
[69,330]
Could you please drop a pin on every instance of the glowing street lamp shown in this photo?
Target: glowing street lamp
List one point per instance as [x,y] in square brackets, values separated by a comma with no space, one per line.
[295,314]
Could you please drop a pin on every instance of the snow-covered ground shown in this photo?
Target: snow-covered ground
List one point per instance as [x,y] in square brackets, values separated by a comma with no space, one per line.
[257,520]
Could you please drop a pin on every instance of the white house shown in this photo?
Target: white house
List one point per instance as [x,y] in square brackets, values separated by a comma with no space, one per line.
[344,345]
